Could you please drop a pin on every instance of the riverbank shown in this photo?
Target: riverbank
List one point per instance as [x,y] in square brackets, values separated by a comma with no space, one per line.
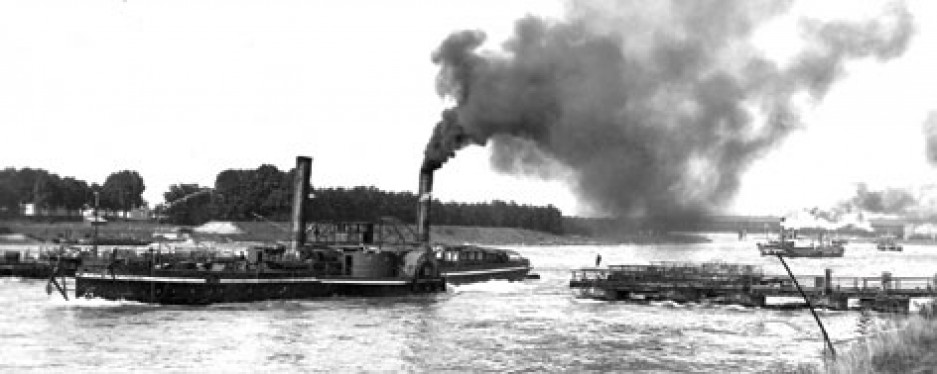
[278,231]
[910,347]
[514,236]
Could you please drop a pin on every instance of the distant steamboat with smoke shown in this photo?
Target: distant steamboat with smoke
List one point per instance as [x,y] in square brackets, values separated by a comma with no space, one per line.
[791,244]
[809,234]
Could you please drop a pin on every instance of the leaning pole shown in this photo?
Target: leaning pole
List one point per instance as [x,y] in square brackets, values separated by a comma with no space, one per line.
[826,337]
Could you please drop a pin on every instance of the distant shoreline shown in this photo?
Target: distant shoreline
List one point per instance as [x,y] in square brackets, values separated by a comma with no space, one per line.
[262,231]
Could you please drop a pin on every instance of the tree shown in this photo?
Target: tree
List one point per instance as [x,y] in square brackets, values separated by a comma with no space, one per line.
[9,200]
[122,191]
[265,191]
[188,204]
[75,194]
[45,190]
[9,195]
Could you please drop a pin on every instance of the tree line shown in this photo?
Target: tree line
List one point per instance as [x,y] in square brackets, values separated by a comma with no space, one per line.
[122,191]
[266,193]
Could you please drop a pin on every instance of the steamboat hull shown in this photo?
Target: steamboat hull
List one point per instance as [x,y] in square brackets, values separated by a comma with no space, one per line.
[472,275]
[163,289]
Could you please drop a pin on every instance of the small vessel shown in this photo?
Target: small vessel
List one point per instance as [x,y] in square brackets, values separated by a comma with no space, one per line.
[790,244]
[352,263]
[469,263]
[888,243]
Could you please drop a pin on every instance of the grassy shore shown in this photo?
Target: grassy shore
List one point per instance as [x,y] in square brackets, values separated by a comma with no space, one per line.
[278,231]
[911,349]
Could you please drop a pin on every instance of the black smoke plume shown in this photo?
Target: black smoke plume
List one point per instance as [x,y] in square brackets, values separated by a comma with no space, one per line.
[892,201]
[655,108]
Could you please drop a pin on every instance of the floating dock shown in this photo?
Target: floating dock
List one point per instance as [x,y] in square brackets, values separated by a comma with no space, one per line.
[749,285]
[14,264]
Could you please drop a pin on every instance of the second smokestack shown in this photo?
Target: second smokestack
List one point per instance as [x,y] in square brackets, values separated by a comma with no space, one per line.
[300,197]
[424,199]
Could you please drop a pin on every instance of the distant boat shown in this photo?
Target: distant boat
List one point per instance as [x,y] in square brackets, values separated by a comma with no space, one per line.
[789,244]
[888,243]
[468,263]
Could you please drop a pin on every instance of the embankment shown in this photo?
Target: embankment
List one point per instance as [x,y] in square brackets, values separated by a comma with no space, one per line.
[267,231]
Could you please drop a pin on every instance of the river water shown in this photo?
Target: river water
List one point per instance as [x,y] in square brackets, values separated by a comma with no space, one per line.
[530,326]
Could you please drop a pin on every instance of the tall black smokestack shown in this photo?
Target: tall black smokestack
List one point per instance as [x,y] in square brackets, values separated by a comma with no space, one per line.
[300,196]
[425,198]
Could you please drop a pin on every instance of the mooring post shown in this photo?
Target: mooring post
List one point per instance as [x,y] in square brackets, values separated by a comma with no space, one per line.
[826,337]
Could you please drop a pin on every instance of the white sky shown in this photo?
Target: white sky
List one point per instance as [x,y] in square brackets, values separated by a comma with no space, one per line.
[180,90]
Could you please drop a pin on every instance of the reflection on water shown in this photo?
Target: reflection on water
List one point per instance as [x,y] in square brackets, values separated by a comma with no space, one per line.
[534,326]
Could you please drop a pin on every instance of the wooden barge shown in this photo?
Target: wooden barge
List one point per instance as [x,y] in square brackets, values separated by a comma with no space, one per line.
[748,285]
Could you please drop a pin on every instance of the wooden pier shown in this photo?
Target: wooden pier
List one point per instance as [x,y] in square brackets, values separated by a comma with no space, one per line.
[749,285]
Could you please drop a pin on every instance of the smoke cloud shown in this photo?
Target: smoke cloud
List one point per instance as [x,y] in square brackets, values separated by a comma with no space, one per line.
[655,108]
[930,138]
[893,201]
[917,203]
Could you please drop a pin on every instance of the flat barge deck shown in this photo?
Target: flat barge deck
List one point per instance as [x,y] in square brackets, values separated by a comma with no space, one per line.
[749,285]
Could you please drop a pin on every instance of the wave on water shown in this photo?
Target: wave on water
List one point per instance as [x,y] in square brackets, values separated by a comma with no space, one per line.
[57,301]
[737,308]
[492,286]
[668,304]
[588,300]
[777,328]
[12,280]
